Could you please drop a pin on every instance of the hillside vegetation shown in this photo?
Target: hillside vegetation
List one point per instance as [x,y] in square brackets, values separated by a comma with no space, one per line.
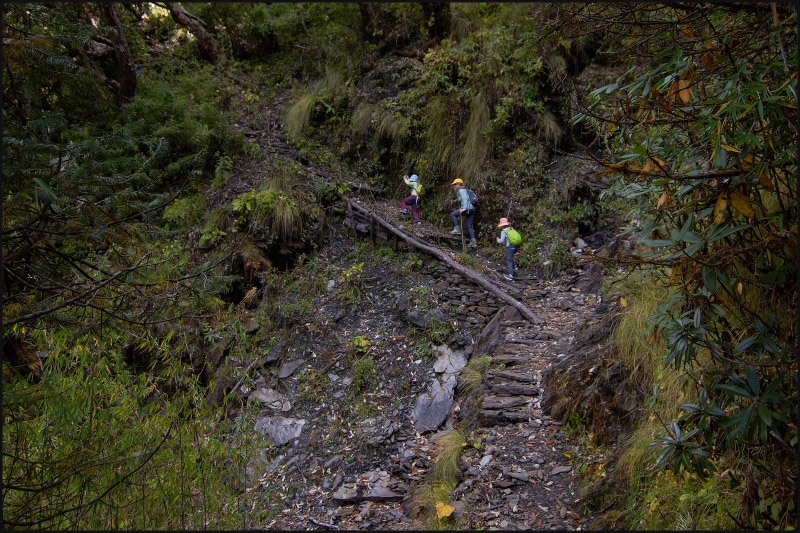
[156,183]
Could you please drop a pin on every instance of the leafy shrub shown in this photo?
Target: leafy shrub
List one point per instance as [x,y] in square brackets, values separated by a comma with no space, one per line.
[349,291]
[184,212]
[183,113]
[364,371]
[711,192]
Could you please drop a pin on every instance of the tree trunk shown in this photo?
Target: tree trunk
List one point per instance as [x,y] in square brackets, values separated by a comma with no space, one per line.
[439,14]
[370,20]
[474,276]
[208,45]
[126,69]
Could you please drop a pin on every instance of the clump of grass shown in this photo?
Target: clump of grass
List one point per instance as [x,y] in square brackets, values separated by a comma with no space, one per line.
[364,118]
[438,137]
[434,493]
[251,253]
[471,377]
[364,371]
[299,114]
[325,94]
[448,454]
[281,178]
[550,128]
[287,219]
[640,353]
[422,500]
[476,147]
[393,127]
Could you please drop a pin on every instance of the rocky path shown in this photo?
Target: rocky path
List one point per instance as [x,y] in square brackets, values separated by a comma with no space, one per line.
[521,476]
[516,470]
[325,465]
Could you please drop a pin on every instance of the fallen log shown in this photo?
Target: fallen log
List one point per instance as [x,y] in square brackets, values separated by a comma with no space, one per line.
[461,269]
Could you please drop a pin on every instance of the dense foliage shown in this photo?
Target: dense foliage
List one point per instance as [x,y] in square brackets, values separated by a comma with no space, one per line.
[703,126]
[127,250]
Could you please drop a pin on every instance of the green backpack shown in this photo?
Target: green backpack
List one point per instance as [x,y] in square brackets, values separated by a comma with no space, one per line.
[420,189]
[514,237]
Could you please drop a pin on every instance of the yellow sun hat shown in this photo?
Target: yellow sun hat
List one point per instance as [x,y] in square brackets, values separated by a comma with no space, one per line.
[457,180]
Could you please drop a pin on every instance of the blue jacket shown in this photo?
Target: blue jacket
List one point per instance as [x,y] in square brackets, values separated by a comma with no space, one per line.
[502,238]
[463,197]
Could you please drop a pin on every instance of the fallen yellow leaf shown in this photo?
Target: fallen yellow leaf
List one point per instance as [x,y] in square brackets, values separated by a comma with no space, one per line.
[684,95]
[741,203]
[719,209]
[443,510]
[659,163]
[663,201]
[764,180]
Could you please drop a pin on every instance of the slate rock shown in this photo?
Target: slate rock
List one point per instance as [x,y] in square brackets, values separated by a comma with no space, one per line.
[288,369]
[280,430]
[449,362]
[432,407]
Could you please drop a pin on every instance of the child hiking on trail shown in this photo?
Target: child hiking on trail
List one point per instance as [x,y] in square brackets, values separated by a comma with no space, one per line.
[512,239]
[465,210]
[412,200]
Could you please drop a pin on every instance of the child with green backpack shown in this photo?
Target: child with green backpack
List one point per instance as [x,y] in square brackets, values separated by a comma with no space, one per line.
[512,238]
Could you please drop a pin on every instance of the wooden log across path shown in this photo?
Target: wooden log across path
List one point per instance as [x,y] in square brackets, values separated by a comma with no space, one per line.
[461,269]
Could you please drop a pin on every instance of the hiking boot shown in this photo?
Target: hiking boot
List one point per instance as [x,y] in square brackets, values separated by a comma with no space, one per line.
[455,231]
[509,277]
[473,243]
[419,223]
[403,211]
